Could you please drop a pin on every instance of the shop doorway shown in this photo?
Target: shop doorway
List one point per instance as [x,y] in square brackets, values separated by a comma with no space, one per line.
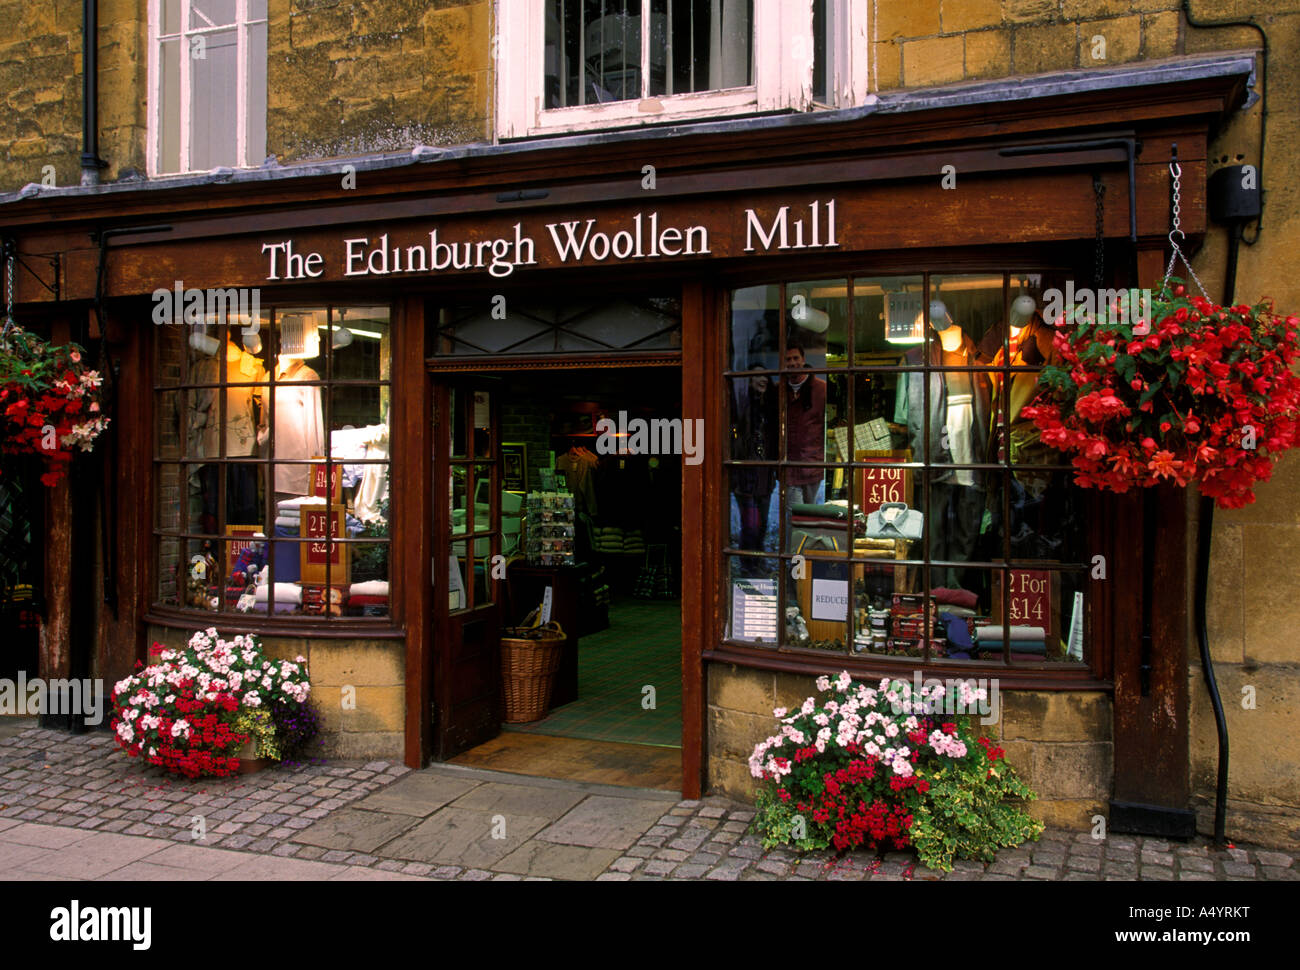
[605,564]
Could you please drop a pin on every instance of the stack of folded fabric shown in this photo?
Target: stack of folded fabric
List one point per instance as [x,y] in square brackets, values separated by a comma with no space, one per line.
[607,539]
[874,548]
[1031,641]
[288,598]
[633,542]
[368,598]
[828,520]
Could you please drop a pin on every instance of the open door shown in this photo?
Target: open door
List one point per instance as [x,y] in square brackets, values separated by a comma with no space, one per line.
[466,686]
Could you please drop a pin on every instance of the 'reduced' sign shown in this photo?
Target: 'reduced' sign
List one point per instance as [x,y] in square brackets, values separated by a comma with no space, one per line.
[642,235]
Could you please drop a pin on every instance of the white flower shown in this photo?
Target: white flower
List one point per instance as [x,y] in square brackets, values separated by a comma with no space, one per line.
[251,699]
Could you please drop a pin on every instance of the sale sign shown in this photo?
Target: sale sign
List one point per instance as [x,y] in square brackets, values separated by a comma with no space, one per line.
[877,486]
[1031,600]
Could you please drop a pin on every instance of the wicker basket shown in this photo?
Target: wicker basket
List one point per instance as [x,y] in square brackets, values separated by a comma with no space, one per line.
[530,658]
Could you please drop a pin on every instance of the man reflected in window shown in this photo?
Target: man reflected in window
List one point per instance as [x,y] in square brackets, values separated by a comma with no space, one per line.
[805,431]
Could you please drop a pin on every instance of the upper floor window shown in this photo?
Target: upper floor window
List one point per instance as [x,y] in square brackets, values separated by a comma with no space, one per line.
[207,84]
[568,65]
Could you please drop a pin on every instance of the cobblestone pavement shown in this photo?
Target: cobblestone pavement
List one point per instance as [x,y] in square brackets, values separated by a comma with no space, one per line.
[76,807]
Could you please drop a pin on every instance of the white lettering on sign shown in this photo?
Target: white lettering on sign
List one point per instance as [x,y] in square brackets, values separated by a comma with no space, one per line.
[591,239]
[779,229]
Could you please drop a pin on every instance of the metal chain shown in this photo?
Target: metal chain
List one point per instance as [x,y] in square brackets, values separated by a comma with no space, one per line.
[9,298]
[1176,252]
[1099,258]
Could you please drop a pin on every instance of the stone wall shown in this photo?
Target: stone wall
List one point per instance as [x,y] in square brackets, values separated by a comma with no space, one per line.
[348,77]
[375,668]
[344,77]
[1060,743]
[40,83]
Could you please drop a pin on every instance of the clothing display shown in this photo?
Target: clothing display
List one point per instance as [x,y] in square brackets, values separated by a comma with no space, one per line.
[960,405]
[894,520]
[299,425]
[578,466]
[960,408]
[245,409]
[370,481]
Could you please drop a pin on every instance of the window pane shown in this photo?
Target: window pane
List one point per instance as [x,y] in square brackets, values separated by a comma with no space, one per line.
[368,592]
[887,317]
[169,106]
[200,574]
[171,17]
[211,13]
[522,325]
[817,315]
[954,513]
[755,328]
[255,136]
[710,45]
[361,344]
[753,616]
[171,572]
[823,46]
[213,139]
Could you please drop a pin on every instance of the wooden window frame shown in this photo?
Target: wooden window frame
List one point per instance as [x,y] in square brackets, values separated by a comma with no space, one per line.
[783,46]
[244,82]
[1094,673]
[168,614]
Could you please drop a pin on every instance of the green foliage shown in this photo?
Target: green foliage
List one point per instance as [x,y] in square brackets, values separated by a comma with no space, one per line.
[259,726]
[973,808]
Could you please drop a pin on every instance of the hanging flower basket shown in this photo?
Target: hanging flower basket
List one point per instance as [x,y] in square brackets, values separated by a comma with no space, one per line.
[1198,393]
[50,402]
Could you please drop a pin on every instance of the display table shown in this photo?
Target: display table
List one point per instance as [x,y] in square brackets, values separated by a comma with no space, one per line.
[527,586]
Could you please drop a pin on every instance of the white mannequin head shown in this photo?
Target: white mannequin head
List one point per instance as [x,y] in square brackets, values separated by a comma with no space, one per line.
[1022,309]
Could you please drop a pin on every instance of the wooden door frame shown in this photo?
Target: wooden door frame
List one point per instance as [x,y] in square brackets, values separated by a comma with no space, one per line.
[698,368]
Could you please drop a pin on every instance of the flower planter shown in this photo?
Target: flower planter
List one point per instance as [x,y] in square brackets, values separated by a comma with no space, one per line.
[249,763]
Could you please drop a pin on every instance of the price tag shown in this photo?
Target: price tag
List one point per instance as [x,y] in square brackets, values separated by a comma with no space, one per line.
[546,606]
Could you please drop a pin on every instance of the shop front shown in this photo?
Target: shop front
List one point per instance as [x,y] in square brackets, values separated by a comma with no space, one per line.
[740,402]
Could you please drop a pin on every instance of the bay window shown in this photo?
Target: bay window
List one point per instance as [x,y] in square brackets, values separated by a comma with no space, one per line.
[888,498]
[271,463]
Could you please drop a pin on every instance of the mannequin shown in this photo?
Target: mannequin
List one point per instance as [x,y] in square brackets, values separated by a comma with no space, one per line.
[1039,513]
[299,425]
[959,415]
[245,425]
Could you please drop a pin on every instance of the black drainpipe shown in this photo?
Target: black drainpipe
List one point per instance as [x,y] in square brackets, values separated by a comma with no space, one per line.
[91,163]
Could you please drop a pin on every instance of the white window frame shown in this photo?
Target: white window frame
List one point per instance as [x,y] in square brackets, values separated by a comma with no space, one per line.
[783,71]
[242,87]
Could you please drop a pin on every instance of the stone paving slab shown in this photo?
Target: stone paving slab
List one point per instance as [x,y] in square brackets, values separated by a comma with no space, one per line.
[356,830]
[604,822]
[458,836]
[555,861]
[497,797]
[418,794]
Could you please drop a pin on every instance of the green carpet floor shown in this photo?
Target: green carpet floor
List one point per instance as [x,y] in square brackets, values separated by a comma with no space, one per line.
[643,645]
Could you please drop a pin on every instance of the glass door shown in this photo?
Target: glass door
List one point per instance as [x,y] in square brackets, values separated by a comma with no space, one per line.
[467,567]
